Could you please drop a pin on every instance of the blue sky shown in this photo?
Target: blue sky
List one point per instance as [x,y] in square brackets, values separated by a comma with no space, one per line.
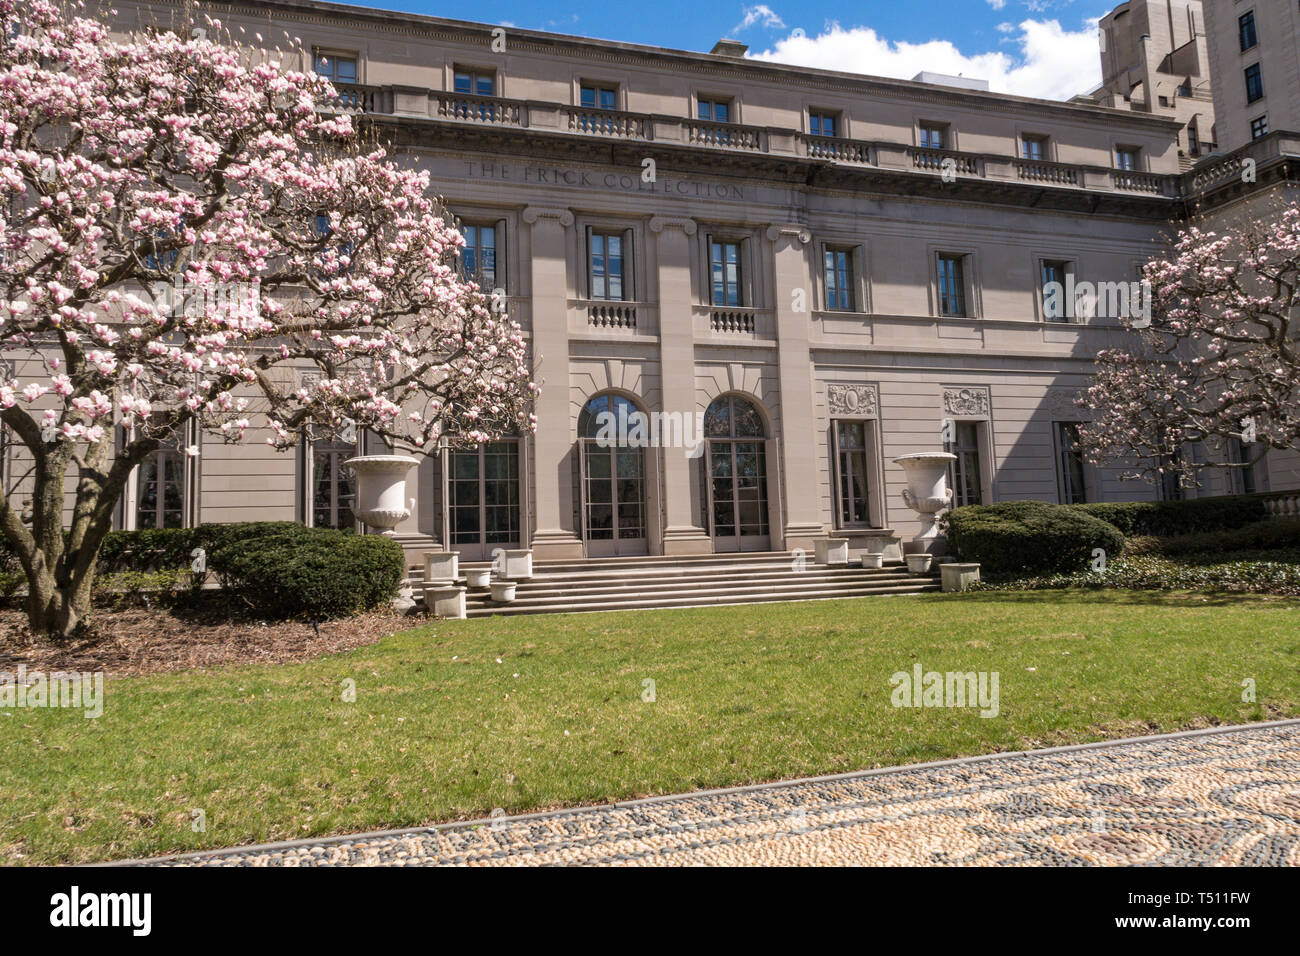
[1044,48]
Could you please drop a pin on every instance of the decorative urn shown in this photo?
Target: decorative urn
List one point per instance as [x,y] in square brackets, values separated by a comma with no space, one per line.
[381,490]
[927,494]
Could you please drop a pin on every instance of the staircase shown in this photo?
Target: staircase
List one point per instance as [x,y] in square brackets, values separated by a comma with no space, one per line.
[616,584]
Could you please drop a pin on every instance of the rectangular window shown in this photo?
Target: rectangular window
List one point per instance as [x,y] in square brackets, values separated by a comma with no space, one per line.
[1258,127]
[475,83]
[1069,464]
[934,137]
[336,69]
[1193,140]
[1126,158]
[1254,84]
[160,501]
[1246,28]
[952,285]
[1033,148]
[1057,306]
[478,258]
[334,487]
[599,98]
[607,275]
[714,111]
[1249,478]
[1171,484]
[823,124]
[964,473]
[726,269]
[851,468]
[840,280]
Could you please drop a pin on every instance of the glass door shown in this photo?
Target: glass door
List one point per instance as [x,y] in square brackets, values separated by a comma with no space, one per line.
[483,499]
[614,499]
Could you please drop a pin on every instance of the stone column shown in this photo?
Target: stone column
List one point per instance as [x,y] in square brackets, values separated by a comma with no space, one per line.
[682,531]
[803,520]
[553,445]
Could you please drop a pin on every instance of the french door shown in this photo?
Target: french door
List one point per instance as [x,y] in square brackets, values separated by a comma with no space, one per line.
[613,499]
[483,499]
[738,495]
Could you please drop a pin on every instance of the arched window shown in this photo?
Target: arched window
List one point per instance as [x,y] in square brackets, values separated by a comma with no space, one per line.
[733,417]
[603,408]
[737,469]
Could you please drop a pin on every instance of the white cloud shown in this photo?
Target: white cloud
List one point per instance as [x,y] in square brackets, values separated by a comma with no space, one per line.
[997,4]
[760,14]
[1053,63]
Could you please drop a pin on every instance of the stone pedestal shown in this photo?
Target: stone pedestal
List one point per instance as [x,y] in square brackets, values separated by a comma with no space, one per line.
[441,566]
[519,565]
[919,563]
[503,592]
[445,602]
[959,577]
[833,552]
[478,579]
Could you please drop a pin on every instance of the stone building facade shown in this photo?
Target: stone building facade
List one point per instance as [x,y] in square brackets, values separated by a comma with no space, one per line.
[831,269]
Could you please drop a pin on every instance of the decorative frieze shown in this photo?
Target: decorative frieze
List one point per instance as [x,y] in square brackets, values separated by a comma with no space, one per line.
[1060,405]
[967,402]
[851,400]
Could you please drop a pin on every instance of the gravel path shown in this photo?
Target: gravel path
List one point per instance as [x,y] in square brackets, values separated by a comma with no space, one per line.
[1222,797]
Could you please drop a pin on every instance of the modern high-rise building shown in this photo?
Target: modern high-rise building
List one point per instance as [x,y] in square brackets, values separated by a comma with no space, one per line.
[1154,60]
[1254,48]
[832,269]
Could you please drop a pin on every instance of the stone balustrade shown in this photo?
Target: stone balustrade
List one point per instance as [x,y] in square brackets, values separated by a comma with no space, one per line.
[496,111]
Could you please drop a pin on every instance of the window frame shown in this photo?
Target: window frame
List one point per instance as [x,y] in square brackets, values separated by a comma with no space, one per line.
[1259,127]
[1247,22]
[982,449]
[745,292]
[1068,267]
[1061,450]
[871,476]
[944,130]
[627,239]
[715,100]
[1254,77]
[333,57]
[836,118]
[964,262]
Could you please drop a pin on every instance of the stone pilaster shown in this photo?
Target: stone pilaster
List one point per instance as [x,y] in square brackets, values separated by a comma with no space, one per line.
[553,445]
[682,531]
[791,271]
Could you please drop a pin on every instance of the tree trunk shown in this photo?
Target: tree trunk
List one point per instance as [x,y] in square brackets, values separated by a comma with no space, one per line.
[56,609]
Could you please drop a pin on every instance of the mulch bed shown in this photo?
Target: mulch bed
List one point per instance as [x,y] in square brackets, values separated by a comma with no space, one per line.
[132,641]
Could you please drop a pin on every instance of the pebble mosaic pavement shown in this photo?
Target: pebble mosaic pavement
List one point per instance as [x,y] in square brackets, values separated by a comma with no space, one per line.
[1223,798]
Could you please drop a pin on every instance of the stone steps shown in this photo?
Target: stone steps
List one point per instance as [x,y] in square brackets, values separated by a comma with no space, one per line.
[612,584]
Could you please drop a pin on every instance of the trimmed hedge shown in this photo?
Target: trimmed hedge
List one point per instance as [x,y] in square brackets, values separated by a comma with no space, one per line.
[310,572]
[1274,534]
[1166,519]
[155,549]
[1034,537]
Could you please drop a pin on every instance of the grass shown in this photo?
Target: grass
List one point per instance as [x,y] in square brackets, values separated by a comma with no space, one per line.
[454,719]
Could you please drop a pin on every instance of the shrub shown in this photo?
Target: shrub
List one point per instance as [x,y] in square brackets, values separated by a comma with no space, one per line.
[1169,518]
[154,549]
[310,572]
[1235,574]
[1029,537]
[1274,534]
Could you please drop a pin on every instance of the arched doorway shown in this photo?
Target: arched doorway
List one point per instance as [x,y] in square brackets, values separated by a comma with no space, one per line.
[613,483]
[737,461]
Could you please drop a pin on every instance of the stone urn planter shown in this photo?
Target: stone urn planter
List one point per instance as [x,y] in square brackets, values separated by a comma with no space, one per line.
[919,563]
[441,566]
[445,601]
[381,490]
[927,494]
[503,592]
[832,552]
[873,559]
[519,565]
[478,579]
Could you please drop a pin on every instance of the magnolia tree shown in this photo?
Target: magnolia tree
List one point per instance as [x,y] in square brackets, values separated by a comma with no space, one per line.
[1217,361]
[186,226]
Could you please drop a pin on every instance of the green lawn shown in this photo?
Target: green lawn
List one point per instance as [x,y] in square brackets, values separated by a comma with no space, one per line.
[455,719]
